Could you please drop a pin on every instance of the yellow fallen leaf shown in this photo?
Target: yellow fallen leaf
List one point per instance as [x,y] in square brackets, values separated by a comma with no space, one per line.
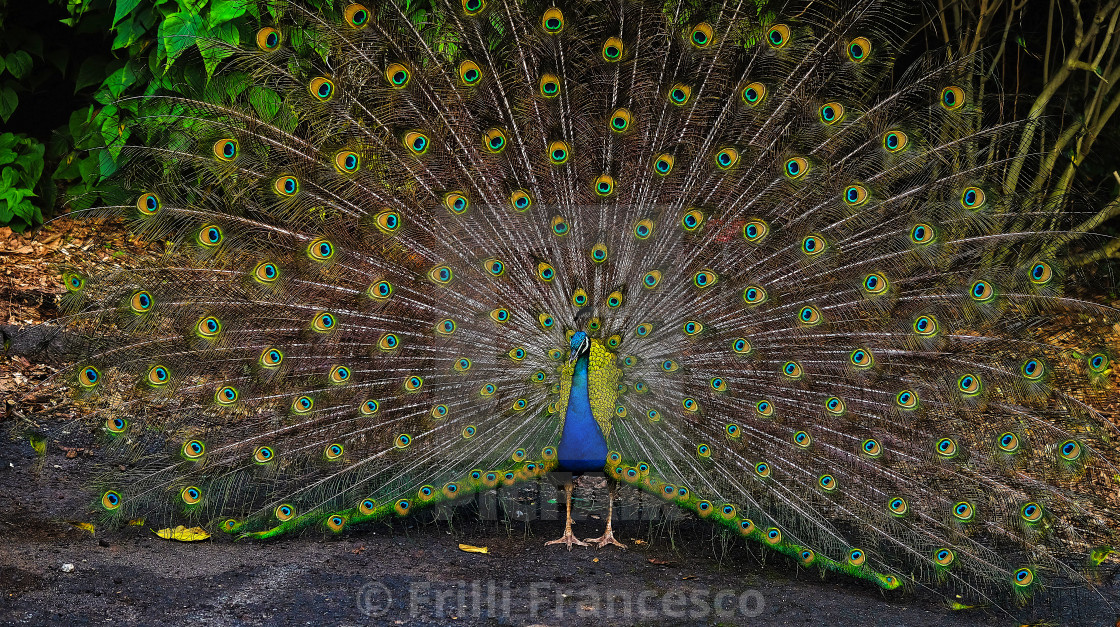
[84,525]
[473,549]
[182,534]
[136,522]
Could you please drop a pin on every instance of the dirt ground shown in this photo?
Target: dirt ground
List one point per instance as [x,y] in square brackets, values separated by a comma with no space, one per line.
[412,572]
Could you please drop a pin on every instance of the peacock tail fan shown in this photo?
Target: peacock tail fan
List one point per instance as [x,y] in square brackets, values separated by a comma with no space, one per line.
[819,316]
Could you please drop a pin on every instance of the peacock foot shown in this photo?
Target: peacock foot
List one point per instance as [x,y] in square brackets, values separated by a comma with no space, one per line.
[605,539]
[568,538]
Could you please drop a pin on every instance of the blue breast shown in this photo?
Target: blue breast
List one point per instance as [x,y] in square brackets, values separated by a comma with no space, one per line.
[582,445]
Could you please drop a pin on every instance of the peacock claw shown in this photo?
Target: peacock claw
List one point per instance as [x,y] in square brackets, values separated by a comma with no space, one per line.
[605,539]
[568,538]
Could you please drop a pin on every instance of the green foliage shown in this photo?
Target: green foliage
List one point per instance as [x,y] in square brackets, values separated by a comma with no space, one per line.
[21,165]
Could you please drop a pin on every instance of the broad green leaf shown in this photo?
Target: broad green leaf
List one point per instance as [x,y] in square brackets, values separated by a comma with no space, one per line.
[8,102]
[124,7]
[222,11]
[19,63]
[91,72]
[120,80]
[177,33]
[265,102]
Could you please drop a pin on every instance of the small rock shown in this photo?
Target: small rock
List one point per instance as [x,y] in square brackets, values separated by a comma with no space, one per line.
[67,568]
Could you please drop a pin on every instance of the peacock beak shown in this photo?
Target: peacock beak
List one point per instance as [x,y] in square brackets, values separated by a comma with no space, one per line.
[573,355]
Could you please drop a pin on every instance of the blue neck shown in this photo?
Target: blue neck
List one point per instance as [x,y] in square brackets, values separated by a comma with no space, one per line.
[582,445]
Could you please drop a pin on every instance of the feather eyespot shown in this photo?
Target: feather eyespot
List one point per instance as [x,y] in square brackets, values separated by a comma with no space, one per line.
[347,161]
[604,185]
[792,370]
[944,557]
[456,202]
[111,500]
[1041,273]
[148,204]
[651,279]
[679,94]
[116,425]
[981,291]
[895,141]
[755,230]
[831,112]
[416,142]
[764,408]
[271,358]
[339,374]
[225,149]
[520,200]
[925,326]
[969,384]
[813,245]
[855,195]
[906,399]
[973,198]
[663,164]
[302,404]
[705,278]
[158,376]
[473,7]
[552,21]
[389,342]
[494,141]
[1008,442]
[366,507]
[796,167]
[559,152]
[263,455]
[964,511]
[778,36]
[369,407]
[952,98]
[441,275]
[857,557]
[226,395]
[612,49]
[322,88]
[827,483]
[810,316]
[922,234]
[381,290]
[549,86]
[470,73]
[193,449]
[1069,450]
[859,49]
[621,119]
[324,322]
[727,158]
[753,93]
[1031,512]
[284,512]
[286,186]
[701,35]
[692,220]
[89,377]
[268,39]
[861,358]
[356,15]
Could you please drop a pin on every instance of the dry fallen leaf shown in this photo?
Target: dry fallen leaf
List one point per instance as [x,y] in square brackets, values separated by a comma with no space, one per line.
[654,560]
[182,534]
[473,549]
[84,525]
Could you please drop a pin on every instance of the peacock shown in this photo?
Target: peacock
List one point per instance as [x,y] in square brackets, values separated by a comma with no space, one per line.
[732,255]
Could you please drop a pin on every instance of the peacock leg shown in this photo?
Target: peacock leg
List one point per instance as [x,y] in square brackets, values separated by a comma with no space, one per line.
[608,535]
[567,538]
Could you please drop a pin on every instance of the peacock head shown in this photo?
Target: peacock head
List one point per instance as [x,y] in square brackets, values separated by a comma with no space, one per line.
[581,345]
